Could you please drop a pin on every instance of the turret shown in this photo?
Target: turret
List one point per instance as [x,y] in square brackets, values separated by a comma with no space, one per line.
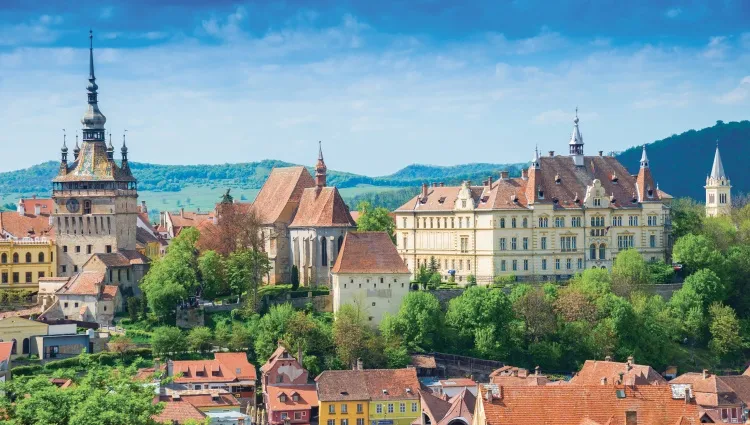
[576,143]
[718,189]
[320,169]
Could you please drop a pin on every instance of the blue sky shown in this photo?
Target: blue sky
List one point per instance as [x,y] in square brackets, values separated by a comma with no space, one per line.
[382,83]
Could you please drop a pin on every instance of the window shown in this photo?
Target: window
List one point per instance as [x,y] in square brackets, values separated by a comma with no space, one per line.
[28,257]
[65,248]
[331,408]
[453,223]
[722,198]
[432,222]
[592,252]
[515,265]
[360,421]
[624,241]
[567,243]
[711,198]
[4,277]
[526,265]
[575,222]
[543,222]
[78,249]
[438,222]
[525,244]
[580,263]
[597,202]
[544,264]
[15,277]
[405,242]
[652,241]
[502,265]
[559,221]
[15,258]
[40,257]
[4,258]
[460,264]
[502,244]
[404,223]
[108,248]
[468,265]
[65,305]
[323,252]
[525,222]
[75,305]
[87,207]
[343,408]
[557,264]
[652,220]
[402,408]
[414,407]
[63,269]
[633,220]
[75,269]
[297,415]
[513,222]
[379,408]
[331,422]
[359,408]
[544,242]
[464,244]
[88,249]
[28,277]
[568,264]
[463,203]
[513,243]
[390,407]
[603,251]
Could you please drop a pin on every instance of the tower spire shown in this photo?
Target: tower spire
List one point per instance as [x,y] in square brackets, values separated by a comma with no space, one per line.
[644,158]
[535,161]
[320,168]
[110,149]
[64,149]
[576,143]
[77,149]
[93,120]
[124,149]
[717,170]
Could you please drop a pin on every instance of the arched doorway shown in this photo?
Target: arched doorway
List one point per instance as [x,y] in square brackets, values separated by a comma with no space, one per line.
[25,346]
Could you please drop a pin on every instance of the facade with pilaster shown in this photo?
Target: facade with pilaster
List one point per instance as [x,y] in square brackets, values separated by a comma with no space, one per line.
[564,214]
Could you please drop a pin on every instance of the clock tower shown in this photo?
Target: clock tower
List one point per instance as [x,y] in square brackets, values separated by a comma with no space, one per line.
[95,198]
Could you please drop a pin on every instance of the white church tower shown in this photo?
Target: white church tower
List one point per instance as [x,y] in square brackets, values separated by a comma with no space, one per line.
[718,189]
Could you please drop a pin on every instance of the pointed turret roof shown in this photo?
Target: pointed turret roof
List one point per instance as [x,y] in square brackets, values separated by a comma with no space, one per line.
[717,171]
[644,158]
[576,138]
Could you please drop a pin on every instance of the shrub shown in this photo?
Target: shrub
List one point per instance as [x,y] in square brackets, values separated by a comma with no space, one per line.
[25,370]
[504,279]
[63,364]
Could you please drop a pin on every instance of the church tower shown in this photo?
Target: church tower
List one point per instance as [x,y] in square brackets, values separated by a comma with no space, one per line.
[576,143]
[718,189]
[320,169]
[95,198]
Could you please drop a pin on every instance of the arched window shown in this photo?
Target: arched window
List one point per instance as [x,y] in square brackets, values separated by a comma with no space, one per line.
[525,222]
[602,251]
[15,257]
[4,258]
[502,223]
[41,257]
[14,349]
[28,257]
[323,252]
[25,346]
[592,251]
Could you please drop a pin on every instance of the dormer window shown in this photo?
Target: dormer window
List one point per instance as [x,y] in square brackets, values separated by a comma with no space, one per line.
[295,397]
[540,193]
[557,179]
[282,398]
[463,203]
[650,193]
[597,202]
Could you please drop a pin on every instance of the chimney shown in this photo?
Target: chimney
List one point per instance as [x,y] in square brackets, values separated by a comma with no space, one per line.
[551,153]
[504,175]
[525,174]
[705,373]
[37,209]
[143,207]
[424,190]
[601,153]
[182,211]
[170,368]
[489,181]
[442,184]
[688,395]
[608,359]
[630,362]
[360,366]
[21,209]
[537,371]
[603,381]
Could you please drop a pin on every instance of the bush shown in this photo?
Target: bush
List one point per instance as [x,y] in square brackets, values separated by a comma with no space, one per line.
[63,364]
[25,370]
[471,280]
[504,279]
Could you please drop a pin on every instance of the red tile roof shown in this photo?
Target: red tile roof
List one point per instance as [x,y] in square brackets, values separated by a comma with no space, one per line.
[579,404]
[123,258]
[109,292]
[461,406]
[180,411]
[308,397]
[46,206]
[370,384]
[225,367]
[709,391]
[369,252]
[237,362]
[593,371]
[23,226]
[217,399]
[189,218]
[84,283]
[458,382]
[322,207]
[434,407]
[280,350]
[5,349]
[281,193]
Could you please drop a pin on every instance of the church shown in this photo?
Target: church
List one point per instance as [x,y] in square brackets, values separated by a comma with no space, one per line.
[94,218]
[565,213]
[718,189]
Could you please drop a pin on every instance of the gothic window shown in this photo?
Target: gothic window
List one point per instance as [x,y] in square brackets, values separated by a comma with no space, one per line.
[323,252]
[41,257]
[341,242]
[15,258]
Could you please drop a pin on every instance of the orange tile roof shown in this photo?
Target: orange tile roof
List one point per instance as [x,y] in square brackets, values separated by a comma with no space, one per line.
[284,186]
[228,367]
[515,376]
[46,206]
[179,411]
[123,258]
[461,406]
[22,226]
[434,407]
[84,283]
[189,218]
[211,400]
[709,391]
[237,362]
[308,396]
[593,371]
[322,207]
[109,292]
[458,382]
[275,356]
[369,252]
[579,404]
[369,384]
[5,349]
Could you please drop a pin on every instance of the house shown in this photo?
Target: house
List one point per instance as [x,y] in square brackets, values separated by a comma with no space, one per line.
[84,296]
[452,387]
[379,396]
[283,368]
[227,371]
[177,412]
[216,405]
[584,405]
[458,410]
[723,399]
[171,224]
[61,346]
[508,376]
[425,365]
[124,269]
[596,372]
[369,271]
[27,245]
[6,350]
[20,331]
[294,403]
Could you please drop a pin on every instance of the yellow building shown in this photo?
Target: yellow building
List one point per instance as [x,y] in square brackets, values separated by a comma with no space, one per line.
[20,330]
[23,262]
[368,397]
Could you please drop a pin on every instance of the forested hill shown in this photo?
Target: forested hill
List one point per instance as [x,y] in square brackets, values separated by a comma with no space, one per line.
[680,163]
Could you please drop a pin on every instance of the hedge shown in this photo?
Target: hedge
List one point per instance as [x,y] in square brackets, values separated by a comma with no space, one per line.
[25,370]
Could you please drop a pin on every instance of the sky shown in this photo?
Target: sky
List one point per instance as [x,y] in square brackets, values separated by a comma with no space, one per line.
[383,84]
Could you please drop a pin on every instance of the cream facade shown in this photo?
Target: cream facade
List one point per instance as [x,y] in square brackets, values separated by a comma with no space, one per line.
[565,214]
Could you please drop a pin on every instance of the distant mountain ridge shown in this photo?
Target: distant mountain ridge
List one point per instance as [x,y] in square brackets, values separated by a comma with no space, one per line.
[679,163]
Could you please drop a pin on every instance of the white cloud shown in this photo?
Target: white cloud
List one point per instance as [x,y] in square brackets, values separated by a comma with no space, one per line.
[673,12]
[557,116]
[106,12]
[737,95]
[716,49]
[228,29]
[38,31]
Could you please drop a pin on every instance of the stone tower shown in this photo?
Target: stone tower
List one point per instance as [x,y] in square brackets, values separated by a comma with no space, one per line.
[718,189]
[95,198]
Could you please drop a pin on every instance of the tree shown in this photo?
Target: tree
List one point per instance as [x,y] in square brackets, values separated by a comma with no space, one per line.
[726,341]
[687,217]
[168,340]
[295,278]
[120,345]
[434,266]
[419,322]
[707,285]
[480,317]
[237,228]
[375,220]
[350,334]
[697,252]
[245,271]
[423,276]
[200,339]
[629,272]
[537,312]
[134,308]
[721,231]
[271,328]
[212,273]
[241,339]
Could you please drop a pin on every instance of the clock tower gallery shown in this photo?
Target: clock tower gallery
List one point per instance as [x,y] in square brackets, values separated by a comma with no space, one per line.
[95,199]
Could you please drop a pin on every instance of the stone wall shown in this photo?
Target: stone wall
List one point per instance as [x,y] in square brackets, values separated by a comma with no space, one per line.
[323,303]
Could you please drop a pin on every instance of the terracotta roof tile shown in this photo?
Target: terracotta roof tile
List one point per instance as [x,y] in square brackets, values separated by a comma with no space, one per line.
[284,186]
[109,292]
[740,385]
[237,362]
[423,361]
[593,371]
[217,399]
[225,367]
[461,406]
[190,218]
[23,226]
[122,258]
[308,396]
[369,252]
[370,384]
[322,207]
[84,283]
[434,407]
[575,404]
[457,382]
[46,206]
[280,350]
[179,411]
[5,349]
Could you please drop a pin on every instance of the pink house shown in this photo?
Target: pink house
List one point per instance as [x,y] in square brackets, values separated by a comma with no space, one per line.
[292,402]
[283,368]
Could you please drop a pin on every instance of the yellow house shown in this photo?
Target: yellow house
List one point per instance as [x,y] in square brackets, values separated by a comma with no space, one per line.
[369,397]
[22,263]
[20,331]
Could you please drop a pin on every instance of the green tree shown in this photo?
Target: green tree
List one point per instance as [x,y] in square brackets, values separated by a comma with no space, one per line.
[211,266]
[697,252]
[629,272]
[434,266]
[222,333]
[423,276]
[721,231]
[245,271]
[480,318]
[350,334]
[271,328]
[134,307]
[168,340]
[200,339]
[538,314]
[241,339]
[375,220]
[707,285]
[726,341]
[419,322]
[295,278]
[687,217]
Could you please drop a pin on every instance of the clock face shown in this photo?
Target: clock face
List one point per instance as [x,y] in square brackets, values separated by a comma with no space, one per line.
[72,205]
